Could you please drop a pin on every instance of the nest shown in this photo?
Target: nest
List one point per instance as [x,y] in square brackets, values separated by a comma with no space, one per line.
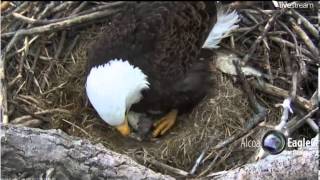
[45,77]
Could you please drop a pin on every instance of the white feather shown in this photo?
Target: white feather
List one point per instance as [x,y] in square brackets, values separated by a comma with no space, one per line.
[113,87]
[225,23]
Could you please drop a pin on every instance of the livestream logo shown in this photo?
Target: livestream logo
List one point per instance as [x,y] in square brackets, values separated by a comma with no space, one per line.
[295,4]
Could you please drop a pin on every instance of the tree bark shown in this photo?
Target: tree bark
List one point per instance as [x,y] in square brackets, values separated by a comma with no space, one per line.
[36,153]
[297,164]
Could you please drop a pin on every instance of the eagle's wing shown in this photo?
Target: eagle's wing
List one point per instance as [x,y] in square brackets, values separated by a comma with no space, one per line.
[161,37]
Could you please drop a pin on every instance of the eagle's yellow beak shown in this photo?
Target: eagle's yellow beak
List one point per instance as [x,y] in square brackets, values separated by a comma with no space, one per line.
[124,128]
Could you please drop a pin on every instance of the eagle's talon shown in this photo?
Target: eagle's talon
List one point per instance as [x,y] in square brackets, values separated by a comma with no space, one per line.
[165,123]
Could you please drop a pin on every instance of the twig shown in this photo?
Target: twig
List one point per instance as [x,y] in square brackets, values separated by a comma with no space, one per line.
[289,44]
[3,94]
[74,14]
[103,7]
[24,18]
[25,118]
[22,6]
[305,22]
[259,39]
[47,10]
[256,119]
[252,11]
[251,17]
[210,166]
[32,68]
[60,46]
[247,90]
[286,59]
[304,37]
[267,59]
[80,7]
[299,123]
[313,125]
[82,130]
[165,166]
[199,159]
[70,48]
[318,86]
[314,98]
[285,114]
[10,44]
[276,91]
[36,115]
[39,21]
[63,6]
[250,29]
[293,92]
[31,123]
[61,25]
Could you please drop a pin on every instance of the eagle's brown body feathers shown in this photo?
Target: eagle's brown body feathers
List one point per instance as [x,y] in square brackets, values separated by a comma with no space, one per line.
[164,40]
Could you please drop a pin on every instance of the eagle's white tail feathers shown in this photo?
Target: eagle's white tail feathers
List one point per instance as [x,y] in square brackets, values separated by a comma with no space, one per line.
[226,22]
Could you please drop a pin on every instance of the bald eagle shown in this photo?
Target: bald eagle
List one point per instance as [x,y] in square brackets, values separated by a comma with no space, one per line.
[147,61]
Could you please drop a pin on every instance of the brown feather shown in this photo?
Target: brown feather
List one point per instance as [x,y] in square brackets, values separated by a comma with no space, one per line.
[164,40]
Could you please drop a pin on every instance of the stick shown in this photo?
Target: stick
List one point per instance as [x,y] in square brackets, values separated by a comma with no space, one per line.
[22,6]
[279,92]
[103,7]
[61,25]
[286,59]
[70,48]
[37,114]
[63,6]
[24,18]
[304,37]
[166,167]
[319,86]
[46,12]
[291,34]
[259,39]
[3,94]
[247,90]
[212,163]
[305,22]
[300,122]
[35,123]
[267,58]
[75,13]
[291,45]
[60,46]
[250,29]
[313,125]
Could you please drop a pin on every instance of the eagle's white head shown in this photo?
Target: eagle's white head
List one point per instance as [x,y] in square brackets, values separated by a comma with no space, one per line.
[112,88]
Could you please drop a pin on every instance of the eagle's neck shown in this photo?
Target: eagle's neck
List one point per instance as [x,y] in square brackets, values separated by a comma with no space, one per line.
[114,87]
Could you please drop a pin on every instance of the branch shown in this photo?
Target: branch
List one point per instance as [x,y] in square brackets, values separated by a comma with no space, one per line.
[291,45]
[298,30]
[35,152]
[276,91]
[305,22]
[74,14]
[260,38]
[63,24]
